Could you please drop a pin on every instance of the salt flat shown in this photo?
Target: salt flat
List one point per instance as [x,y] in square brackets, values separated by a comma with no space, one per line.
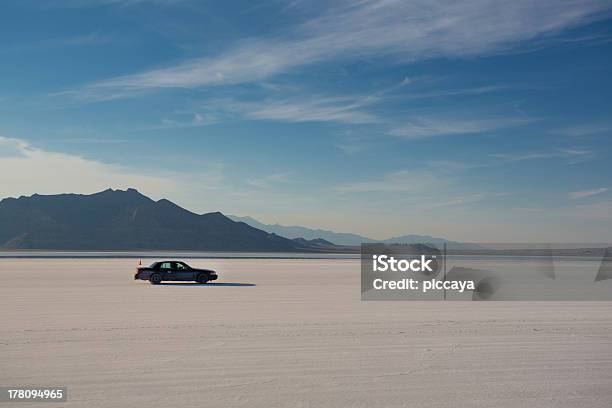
[289,333]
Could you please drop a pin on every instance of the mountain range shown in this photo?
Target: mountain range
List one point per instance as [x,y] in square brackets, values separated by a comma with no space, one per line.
[128,220]
[340,238]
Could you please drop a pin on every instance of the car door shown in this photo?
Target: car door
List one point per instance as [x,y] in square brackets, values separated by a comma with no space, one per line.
[183,272]
[167,271]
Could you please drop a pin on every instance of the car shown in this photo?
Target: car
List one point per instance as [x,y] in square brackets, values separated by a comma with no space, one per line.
[161,271]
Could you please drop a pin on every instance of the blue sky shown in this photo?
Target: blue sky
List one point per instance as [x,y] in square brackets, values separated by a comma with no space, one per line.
[474,120]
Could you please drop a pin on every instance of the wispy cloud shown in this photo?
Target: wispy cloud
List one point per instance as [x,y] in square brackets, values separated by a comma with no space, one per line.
[572,155]
[569,156]
[295,104]
[443,93]
[12,148]
[587,193]
[424,189]
[585,130]
[268,180]
[343,109]
[186,120]
[298,105]
[430,126]
[351,143]
[403,31]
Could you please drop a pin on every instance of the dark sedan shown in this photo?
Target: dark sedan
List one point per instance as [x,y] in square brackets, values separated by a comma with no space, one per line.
[158,272]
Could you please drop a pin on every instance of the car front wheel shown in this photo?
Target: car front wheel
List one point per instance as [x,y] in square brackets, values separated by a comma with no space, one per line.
[155,279]
[202,278]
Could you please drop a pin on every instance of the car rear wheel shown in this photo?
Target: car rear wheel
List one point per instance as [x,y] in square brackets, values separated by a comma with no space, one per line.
[202,278]
[155,279]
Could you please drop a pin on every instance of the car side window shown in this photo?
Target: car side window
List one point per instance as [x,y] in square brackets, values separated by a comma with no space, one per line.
[166,265]
[181,266]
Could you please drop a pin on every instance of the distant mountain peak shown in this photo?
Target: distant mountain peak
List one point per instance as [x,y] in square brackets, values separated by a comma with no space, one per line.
[314,242]
[129,190]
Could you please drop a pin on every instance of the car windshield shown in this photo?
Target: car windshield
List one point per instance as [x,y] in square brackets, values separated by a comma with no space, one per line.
[153,265]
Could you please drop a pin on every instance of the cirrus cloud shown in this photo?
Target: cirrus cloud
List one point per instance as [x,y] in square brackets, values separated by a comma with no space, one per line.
[400,30]
[587,193]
